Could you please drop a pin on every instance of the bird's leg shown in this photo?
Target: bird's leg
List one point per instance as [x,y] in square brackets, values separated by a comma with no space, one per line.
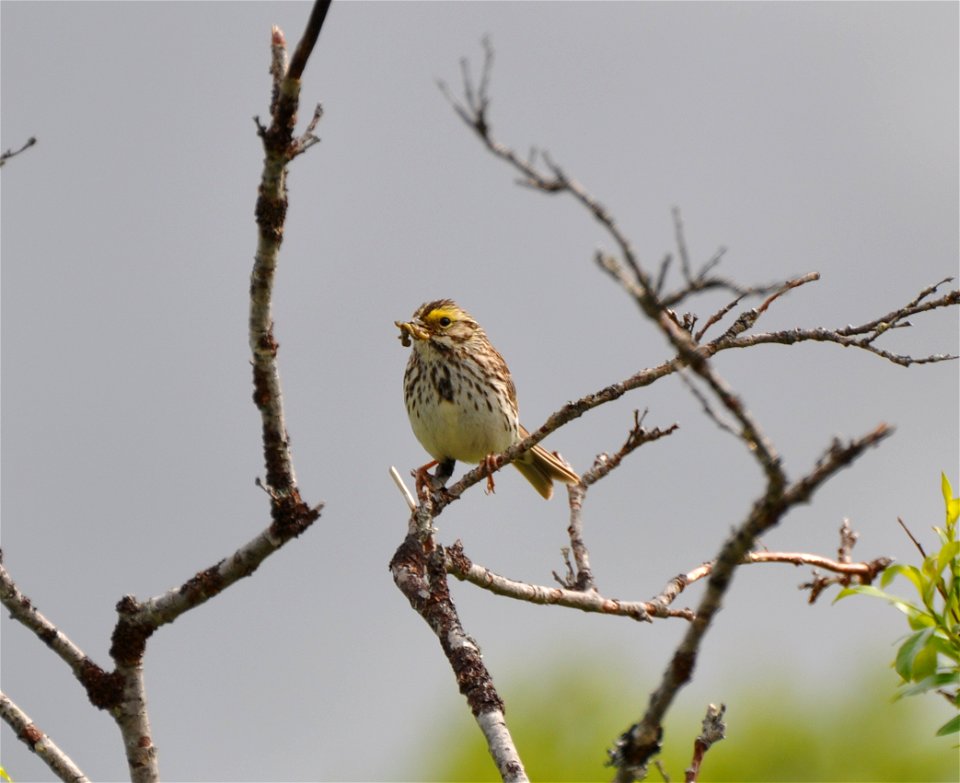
[491,462]
[422,478]
[426,482]
[443,472]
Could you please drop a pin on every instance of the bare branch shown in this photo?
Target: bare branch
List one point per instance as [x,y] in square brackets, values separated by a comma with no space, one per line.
[590,600]
[910,535]
[848,573]
[581,578]
[717,317]
[287,507]
[641,741]
[309,39]
[681,241]
[864,573]
[862,336]
[460,566]
[638,436]
[848,540]
[713,731]
[419,570]
[29,734]
[11,153]
[23,611]
[407,495]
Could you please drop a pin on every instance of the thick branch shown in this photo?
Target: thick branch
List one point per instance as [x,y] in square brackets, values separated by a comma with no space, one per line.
[419,570]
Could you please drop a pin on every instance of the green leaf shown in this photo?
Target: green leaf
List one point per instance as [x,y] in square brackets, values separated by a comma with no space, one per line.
[930,683]
[952,726]
[904,606]
[947,553]
[925,663]
[920,620]
[908,652]
[946,647]
[952,503]
[914,574]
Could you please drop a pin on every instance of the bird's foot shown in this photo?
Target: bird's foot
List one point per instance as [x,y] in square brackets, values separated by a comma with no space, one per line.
[492,463]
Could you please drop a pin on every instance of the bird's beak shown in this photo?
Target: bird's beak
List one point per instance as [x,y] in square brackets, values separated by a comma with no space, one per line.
[410,329]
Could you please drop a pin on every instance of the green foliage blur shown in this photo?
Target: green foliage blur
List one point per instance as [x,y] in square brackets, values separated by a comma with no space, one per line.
[928,660]
[563,719]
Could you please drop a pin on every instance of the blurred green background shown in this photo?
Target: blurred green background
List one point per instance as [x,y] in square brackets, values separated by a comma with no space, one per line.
[564,715]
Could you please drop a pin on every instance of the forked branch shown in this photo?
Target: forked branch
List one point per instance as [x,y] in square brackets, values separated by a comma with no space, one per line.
[122,691]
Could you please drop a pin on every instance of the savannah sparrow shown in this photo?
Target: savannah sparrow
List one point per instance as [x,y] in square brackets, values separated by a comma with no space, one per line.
[461,399]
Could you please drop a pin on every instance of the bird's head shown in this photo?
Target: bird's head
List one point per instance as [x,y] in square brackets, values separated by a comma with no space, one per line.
[443,323]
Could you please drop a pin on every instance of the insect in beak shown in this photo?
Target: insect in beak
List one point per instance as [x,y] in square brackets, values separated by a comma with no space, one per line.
[409,329]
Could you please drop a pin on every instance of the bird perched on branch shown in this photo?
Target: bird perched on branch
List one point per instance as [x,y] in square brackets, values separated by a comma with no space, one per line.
[461,399]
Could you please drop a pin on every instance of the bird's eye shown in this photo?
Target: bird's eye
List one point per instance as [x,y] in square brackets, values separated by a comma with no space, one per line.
[444,322]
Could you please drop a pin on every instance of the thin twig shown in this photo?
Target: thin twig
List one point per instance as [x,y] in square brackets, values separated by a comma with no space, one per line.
[916,543]
[581,578]
[713,732]
[7,154]
[407,495]
[59,763]
[705,405]
[309,39]
[848,540]
[847,572]
[23,610]
[681,241]
[862,336]
[716,317]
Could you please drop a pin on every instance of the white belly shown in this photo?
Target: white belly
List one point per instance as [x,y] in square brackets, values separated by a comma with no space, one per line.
[465,433]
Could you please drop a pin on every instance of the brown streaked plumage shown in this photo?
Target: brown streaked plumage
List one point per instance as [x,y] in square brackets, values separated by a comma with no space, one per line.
[460,396]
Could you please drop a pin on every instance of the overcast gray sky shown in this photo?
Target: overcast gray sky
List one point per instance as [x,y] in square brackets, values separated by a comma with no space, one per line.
[802,137]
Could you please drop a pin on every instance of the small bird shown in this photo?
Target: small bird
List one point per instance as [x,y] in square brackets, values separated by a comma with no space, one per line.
[461,399]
